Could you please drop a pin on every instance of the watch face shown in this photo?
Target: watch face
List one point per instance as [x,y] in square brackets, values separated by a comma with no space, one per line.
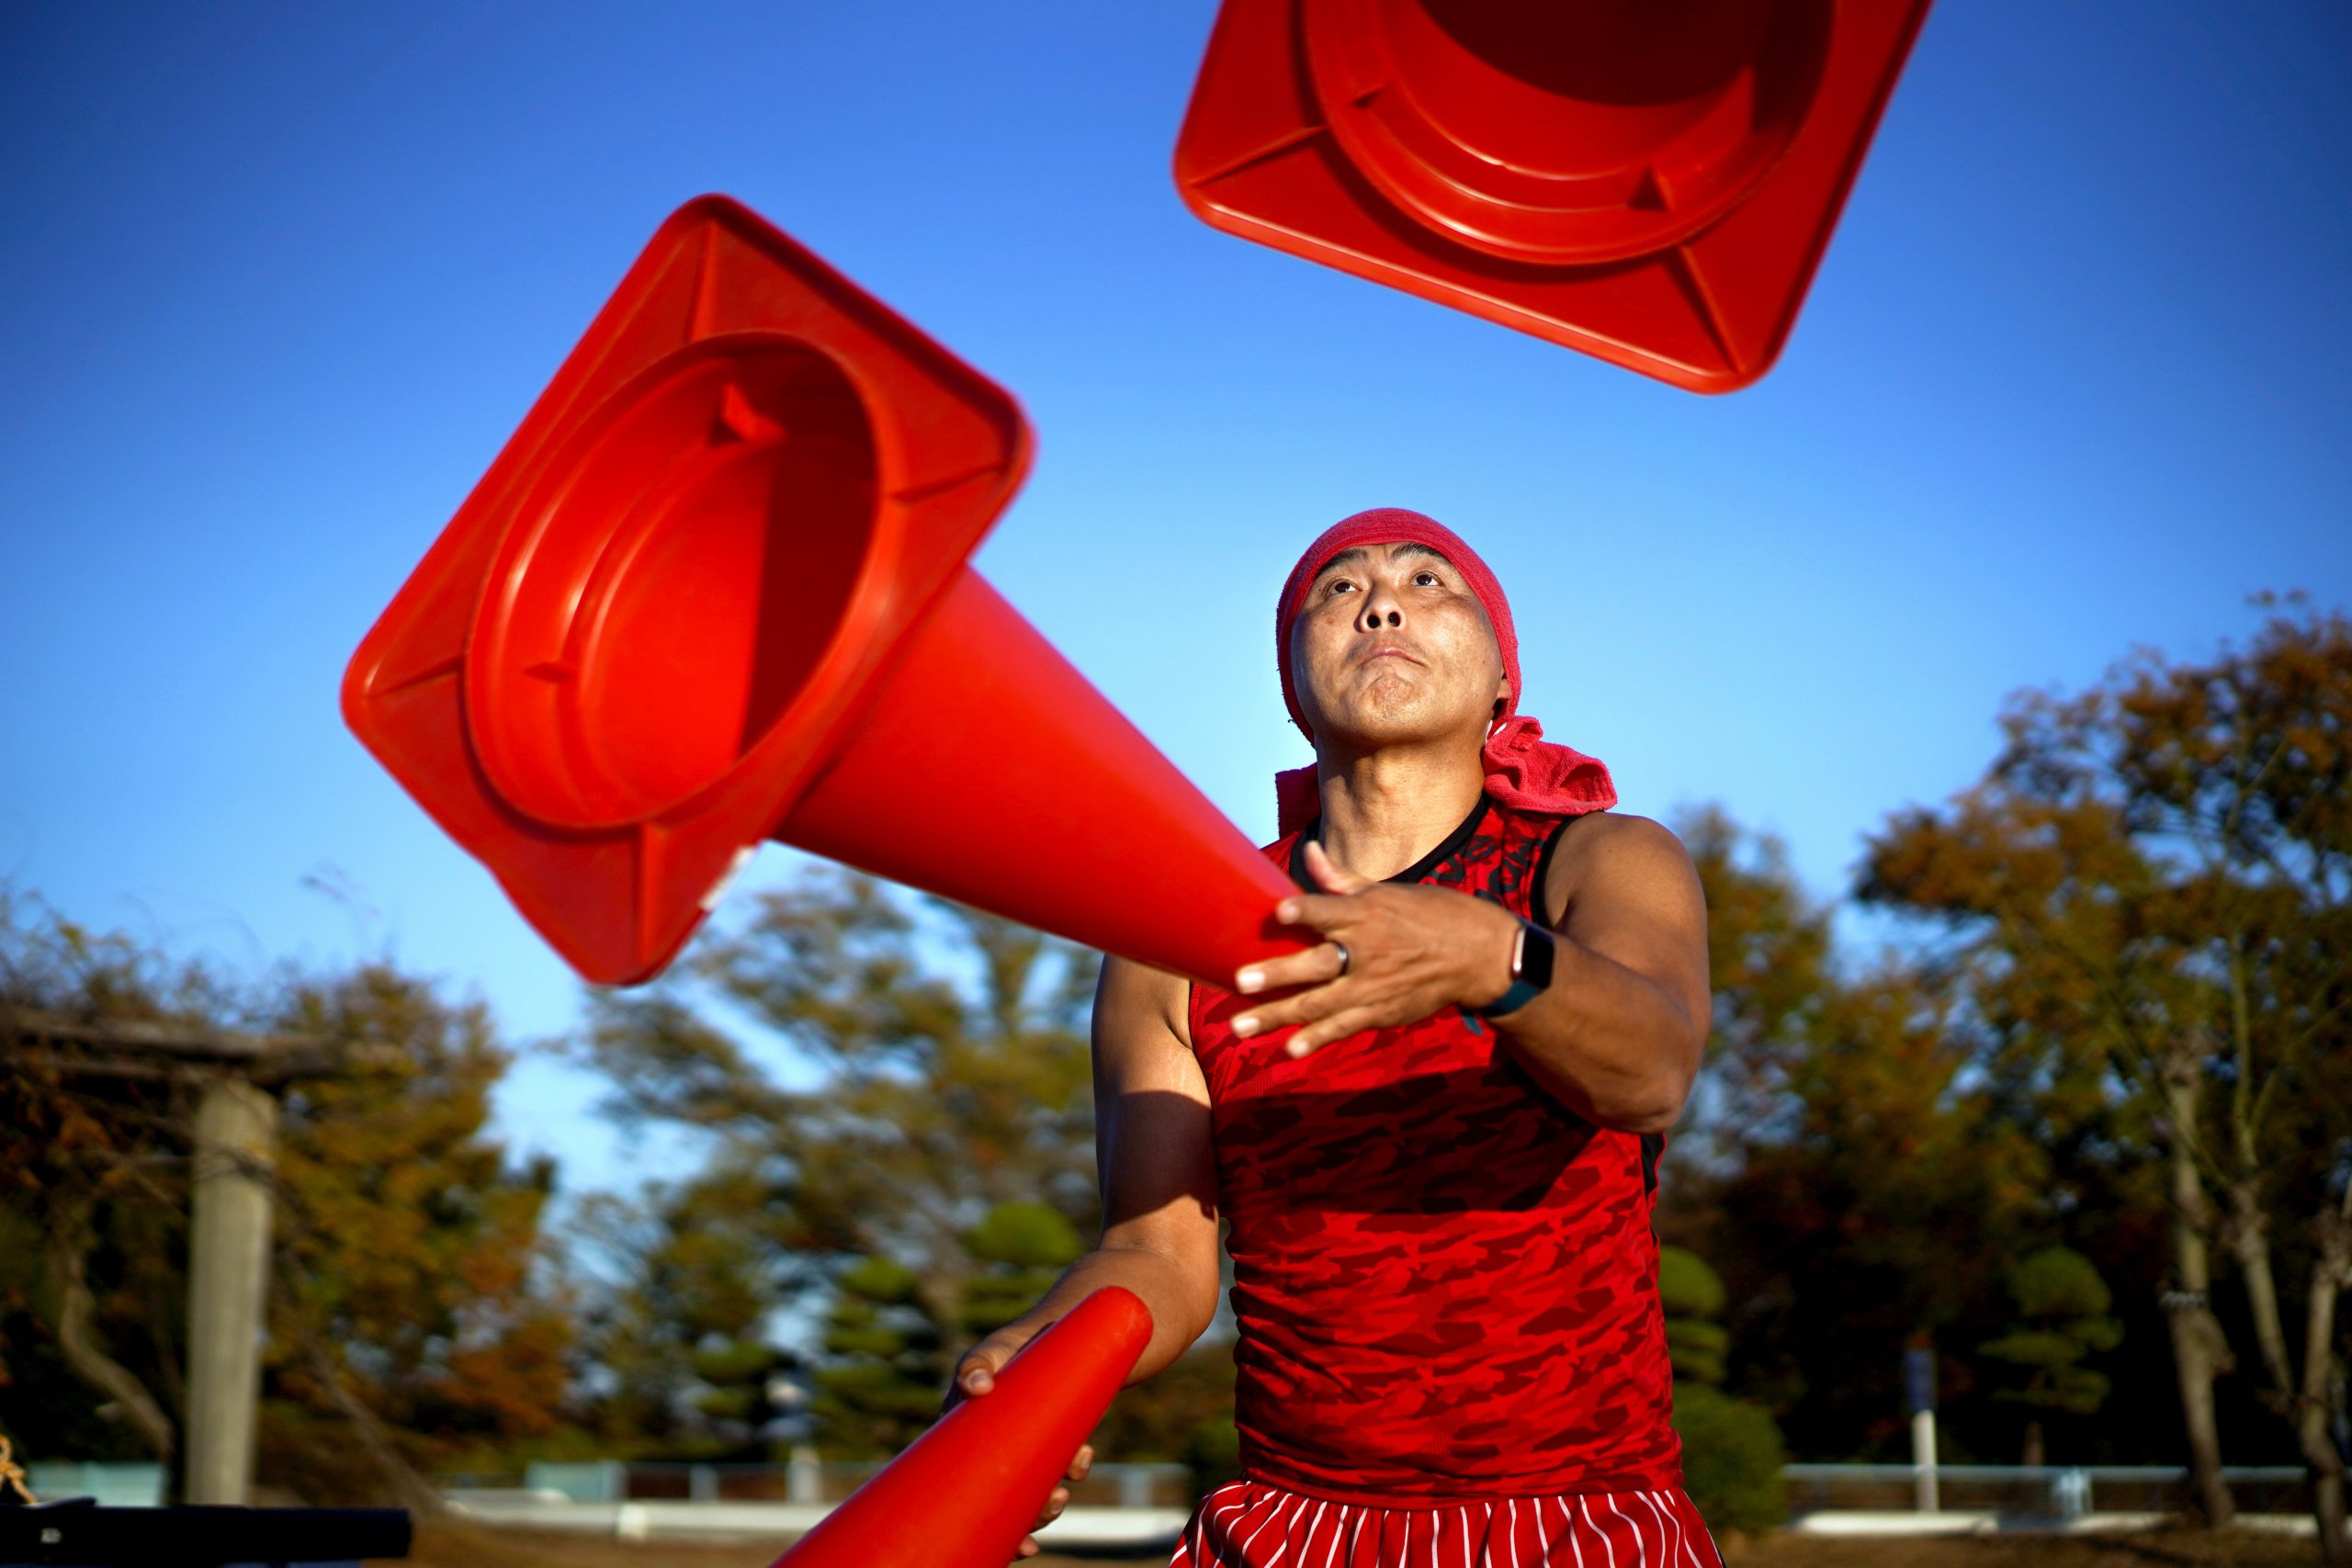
[1535,955]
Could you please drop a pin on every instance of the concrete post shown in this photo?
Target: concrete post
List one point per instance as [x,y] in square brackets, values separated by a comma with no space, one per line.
[1923,1460]
[1919,1396]
[236,1128]
[805,1476]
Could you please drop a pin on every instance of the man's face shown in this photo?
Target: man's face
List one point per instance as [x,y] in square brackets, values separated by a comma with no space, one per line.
[1391,647]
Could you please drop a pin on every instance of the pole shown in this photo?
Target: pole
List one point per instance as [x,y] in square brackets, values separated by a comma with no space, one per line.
[1919,1393]
[236,1126]
[1923,1460]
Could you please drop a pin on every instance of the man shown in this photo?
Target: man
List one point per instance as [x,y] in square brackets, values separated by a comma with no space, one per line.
[1434,1133]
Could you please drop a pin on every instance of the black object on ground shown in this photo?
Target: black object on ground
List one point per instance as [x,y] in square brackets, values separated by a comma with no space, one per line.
[77,1530]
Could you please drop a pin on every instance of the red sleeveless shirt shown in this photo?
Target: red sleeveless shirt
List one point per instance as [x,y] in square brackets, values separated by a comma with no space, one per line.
[1445,1281]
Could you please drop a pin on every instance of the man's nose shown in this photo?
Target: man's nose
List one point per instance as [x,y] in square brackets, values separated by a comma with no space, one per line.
[1381,608]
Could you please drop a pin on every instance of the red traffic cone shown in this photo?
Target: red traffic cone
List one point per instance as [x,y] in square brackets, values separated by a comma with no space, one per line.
[966,1492]
[1653,183]
[714,590]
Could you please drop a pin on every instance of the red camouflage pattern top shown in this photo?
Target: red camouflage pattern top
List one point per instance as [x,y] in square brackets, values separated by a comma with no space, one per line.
[1445,1281]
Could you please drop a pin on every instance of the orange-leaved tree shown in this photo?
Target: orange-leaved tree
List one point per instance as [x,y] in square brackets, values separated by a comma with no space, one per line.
[414,1321]
[2150,892]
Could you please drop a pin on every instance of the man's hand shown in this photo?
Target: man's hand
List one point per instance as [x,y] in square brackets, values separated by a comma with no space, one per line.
[1409,953]
[975,1378]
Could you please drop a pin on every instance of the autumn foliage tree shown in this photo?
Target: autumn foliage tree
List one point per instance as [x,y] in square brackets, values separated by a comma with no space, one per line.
[894,1070]
[2152,888]
[1840,1169]
[409,1325]
[677,1341]
[416,1294]
[903,1091]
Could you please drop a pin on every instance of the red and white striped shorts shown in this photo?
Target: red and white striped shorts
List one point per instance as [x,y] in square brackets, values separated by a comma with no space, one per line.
[1247,1524]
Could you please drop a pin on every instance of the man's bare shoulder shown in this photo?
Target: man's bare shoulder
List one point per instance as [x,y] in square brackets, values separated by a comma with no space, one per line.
[1138,1004]
[1614,849]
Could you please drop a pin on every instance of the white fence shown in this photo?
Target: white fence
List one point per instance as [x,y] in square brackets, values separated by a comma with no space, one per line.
[1136,1505]
[807,1480]
[2036,1493]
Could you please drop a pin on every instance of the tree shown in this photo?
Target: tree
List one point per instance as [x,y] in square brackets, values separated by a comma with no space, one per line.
[1691,1296]
[1732,1452]
[415,1291]
[939,1070]
[412,1305]
[1771,970]
[2060,1319]
[1022,1247]
[886,1366]
[93,1193]
[2153,888]
[1852,1178]
[679,1345]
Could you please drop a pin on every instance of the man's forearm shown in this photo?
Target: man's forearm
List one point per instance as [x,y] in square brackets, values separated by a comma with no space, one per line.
[1611,1045]
[1169,1291]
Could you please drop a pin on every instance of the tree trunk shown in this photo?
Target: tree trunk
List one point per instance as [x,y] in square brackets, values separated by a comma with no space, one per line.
[2032,1458]
[2303,1406]
[2331,1272]
[77,1339]
[409,1488]
[2199,1351]
[2249,1243]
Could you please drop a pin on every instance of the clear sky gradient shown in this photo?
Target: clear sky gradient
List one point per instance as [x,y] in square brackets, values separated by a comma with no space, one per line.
[278,281]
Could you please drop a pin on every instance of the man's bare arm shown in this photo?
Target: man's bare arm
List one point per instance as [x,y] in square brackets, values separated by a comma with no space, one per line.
[1618,1033]
[1157,1169]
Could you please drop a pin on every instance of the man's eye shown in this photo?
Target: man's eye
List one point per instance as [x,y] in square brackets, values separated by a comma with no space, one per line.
[1425,578]
[1344,586]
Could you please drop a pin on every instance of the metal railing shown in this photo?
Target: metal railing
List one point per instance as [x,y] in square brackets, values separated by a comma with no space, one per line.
[2020,1493]
[811,1480]
[2038,1492]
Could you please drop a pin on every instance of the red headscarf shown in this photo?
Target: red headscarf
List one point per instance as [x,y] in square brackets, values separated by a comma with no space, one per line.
[1523,770]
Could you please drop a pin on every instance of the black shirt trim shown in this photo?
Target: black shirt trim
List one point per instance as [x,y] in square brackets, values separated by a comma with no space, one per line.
[1539,897]
[1413,873]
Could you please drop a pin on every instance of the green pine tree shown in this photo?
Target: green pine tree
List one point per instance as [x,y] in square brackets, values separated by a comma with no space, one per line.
[1021,1247]
[1732,1452]
[887,1366]
[2062,1306]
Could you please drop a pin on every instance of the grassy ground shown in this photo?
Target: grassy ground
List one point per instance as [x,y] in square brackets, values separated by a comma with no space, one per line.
[448,1544]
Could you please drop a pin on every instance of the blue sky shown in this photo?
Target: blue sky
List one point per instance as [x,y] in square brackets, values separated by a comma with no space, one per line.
[277,281]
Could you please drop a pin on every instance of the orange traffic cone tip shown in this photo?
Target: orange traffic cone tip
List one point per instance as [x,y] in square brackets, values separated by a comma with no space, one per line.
[966,1492]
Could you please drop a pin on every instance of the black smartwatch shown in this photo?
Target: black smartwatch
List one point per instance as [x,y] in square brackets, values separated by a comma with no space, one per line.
[1531,970]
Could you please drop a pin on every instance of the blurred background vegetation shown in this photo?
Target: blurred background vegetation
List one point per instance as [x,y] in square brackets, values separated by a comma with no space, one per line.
[2078,1114]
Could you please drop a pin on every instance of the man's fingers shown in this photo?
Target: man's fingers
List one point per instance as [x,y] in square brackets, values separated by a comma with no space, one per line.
[1325,912]
[975,1373]
[1313,967]
[1330,875]
[1330,1030]
[1028,1547]
[1082,1461]
[1302,1007]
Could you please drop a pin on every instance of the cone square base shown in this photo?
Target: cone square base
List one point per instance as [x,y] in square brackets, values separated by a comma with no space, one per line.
[1320,128]
[739,423]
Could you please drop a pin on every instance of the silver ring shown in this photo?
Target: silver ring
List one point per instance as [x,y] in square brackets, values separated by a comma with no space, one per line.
[1343,959]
